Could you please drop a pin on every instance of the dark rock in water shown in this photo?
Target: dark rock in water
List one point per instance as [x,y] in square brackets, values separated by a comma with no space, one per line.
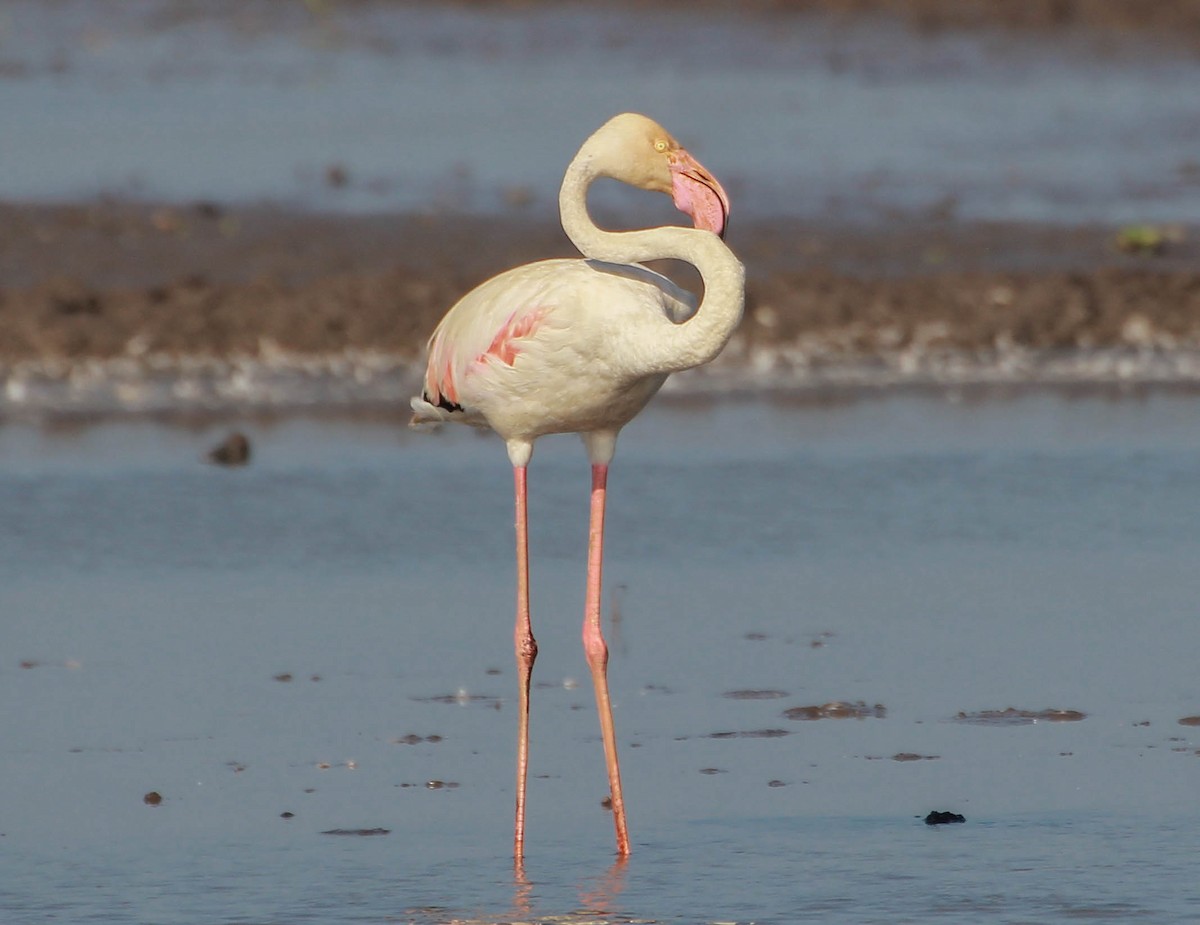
[234,450]
[941,817]
[153,798]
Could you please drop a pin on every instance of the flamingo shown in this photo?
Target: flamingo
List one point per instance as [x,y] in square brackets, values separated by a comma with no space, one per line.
[580,346]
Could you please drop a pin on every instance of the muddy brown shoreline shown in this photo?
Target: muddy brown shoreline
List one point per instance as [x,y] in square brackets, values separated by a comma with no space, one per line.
[117,279]
[1177,21]
[1177,18]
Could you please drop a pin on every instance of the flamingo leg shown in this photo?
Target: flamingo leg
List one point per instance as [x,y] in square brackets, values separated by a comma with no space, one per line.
[596,650]
[526,651]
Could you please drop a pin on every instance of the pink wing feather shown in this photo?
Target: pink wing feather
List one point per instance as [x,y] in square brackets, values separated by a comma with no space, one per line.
[479,333]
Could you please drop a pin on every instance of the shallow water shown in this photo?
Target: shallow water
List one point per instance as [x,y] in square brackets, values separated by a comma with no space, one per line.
[328,631]
[431,106]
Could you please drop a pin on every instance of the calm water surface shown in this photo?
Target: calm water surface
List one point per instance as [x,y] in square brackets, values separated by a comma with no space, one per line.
[928,555]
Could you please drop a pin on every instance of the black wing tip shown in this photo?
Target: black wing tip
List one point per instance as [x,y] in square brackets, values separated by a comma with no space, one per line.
[443,402]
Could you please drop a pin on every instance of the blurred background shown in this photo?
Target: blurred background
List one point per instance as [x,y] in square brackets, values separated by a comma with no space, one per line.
[286,181]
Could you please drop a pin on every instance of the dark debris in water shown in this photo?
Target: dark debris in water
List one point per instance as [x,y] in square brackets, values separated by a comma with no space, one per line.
[815,641]
[414,739]
[903,756]
[462,698]
[1189,721]
[941,817]
[750,734]
[153,798]
[1014,717]
[755,694]
[234,450]
[838,709]
[363,832]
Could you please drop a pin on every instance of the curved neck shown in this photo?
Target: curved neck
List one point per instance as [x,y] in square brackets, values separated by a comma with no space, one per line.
[697,340]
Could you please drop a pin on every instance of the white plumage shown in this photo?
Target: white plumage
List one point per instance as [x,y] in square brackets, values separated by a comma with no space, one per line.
[551,347]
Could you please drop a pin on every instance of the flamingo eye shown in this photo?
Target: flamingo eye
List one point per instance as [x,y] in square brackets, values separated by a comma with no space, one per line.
[661,146]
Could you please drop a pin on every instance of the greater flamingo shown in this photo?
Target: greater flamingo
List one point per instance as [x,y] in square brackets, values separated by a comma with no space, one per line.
[580,346]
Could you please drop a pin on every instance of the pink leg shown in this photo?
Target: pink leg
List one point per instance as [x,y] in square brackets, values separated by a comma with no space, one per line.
[597,652]
[526,648]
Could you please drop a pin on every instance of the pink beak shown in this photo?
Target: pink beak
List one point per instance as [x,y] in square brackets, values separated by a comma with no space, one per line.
[697,193]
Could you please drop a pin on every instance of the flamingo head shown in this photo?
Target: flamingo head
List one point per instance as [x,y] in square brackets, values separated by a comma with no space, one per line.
[637,150]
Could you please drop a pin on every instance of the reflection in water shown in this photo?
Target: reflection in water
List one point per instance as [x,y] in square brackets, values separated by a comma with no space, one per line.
[601,895]
[522,889]
[596,896]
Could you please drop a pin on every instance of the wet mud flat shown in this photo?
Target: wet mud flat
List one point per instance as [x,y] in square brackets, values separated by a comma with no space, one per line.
[1179,18]
[1174,20]
[125,291]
